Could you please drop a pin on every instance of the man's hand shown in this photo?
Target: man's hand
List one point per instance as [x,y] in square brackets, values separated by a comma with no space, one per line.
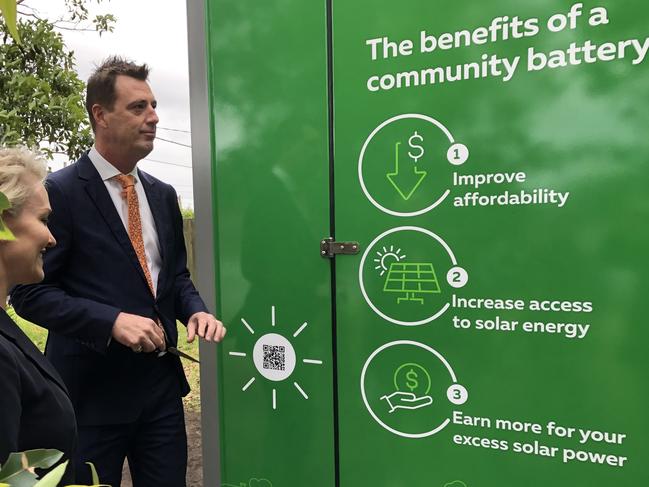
[206,326]
[138,333]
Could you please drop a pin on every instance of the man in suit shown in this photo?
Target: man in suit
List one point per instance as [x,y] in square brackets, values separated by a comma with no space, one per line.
[114,287]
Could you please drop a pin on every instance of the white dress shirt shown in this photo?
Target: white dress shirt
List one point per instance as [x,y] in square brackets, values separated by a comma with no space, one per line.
[107,172]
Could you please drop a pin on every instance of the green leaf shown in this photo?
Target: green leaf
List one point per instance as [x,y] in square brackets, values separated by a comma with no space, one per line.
[18,470]
[8,9]
[53,478]
[5,233]
[4,202]
[13,472]
[95,479]
[40,94]
[43,458]
[12,465]
[22,479]
[93,470]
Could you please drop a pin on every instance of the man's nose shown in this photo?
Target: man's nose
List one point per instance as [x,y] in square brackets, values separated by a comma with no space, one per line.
[152,116]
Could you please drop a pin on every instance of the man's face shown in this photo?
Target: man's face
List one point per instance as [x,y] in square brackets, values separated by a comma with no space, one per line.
[130,126]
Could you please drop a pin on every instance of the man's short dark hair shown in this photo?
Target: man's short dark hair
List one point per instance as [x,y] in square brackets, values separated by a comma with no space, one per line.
[101,84]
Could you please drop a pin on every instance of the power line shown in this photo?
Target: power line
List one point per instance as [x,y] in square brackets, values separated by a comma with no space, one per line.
[167,163]
[174,130]
[173,142]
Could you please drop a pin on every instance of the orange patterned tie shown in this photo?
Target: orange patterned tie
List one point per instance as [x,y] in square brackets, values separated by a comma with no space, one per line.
[135,234]
[135,224]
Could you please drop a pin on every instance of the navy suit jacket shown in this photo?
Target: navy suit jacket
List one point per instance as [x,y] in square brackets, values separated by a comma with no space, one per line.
[36,410]
[92,275]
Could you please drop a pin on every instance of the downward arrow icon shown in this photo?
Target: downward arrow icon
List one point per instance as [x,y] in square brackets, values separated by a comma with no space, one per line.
[405,182]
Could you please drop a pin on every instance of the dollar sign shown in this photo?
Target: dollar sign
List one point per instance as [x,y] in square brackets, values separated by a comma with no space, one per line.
[412,142]
[411,380]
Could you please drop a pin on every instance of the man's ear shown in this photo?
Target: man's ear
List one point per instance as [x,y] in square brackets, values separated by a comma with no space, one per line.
[99,114]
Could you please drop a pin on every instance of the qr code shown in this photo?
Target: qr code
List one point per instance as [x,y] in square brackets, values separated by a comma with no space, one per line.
[274,358]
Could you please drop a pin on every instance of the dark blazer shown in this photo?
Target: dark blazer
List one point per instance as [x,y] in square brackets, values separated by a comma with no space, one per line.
[93,274]
[36,411]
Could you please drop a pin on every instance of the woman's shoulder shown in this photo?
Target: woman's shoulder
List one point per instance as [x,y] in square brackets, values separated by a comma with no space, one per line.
[12,335]
[17,351]
[9,358]
[9,332]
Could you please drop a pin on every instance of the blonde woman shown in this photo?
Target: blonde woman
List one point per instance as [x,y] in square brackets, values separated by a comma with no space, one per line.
[35,410]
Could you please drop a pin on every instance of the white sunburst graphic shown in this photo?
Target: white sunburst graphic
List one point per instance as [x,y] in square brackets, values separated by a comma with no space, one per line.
[274,357]
[384,257]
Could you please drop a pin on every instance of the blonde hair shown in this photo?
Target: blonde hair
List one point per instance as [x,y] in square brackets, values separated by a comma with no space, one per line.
[16,164]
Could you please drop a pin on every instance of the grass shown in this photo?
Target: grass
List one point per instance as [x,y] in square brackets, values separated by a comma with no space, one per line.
[192,401]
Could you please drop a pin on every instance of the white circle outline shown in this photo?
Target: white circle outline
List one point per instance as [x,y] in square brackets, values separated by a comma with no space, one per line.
[451,400]
[364,396]
[362,155]
[451,148]
[362,285]
[459,269]
[290,350]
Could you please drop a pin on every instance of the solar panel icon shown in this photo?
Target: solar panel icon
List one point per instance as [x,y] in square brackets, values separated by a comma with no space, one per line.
[411,280]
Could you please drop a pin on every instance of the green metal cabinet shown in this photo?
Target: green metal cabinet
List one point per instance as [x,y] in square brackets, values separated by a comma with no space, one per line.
[490,161]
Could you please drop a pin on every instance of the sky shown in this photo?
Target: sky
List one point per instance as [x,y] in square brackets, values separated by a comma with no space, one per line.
[145,33]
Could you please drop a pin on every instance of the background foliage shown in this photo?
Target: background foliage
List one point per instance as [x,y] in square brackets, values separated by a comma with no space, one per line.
[41,96]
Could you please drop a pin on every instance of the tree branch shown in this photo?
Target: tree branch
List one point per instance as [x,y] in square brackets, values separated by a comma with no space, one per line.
[25,14]
[78,29]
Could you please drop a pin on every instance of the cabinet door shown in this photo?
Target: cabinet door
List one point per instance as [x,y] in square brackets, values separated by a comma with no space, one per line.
[491,160]
[268,89]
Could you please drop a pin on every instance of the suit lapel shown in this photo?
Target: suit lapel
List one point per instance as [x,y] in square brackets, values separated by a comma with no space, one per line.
[13,333]
[97,191]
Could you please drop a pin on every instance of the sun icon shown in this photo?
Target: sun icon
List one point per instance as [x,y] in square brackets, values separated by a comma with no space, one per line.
[383,259]
[274,357]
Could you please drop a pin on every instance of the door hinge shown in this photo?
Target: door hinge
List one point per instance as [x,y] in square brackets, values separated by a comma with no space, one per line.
[329,248]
